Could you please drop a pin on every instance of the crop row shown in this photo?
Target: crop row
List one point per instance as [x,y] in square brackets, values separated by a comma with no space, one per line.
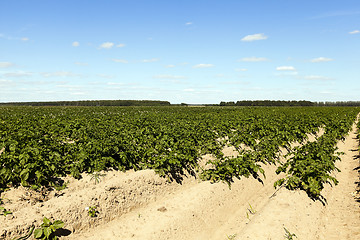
[38,145]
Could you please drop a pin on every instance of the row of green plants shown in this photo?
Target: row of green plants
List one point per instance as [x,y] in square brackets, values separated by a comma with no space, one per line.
[39,145]
[311,165]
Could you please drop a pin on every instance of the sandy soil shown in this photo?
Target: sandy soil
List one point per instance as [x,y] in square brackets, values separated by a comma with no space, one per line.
[141,205]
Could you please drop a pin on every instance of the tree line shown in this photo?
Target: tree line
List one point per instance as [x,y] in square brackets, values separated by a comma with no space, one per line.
[288,103]
[93,103]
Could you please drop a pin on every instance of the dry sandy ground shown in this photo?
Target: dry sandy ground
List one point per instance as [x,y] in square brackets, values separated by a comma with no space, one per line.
[141,205]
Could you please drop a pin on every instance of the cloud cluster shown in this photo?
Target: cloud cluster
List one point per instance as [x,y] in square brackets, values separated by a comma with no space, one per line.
[203,65]
[254,37]
[150,60]
[18,74]
[120,60]
[254,59]
[6,64]
[75,44]
[354,32]
[59,74]
[108,45]
[321,59]
[285,68]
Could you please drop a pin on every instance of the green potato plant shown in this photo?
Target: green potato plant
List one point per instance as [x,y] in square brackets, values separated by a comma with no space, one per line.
[4,212]
[47,229]
[92,211]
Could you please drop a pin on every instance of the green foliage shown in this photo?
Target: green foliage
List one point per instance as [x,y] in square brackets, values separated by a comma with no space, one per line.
[96,177]
[4,212]
[231,237]
[47,229]
[39,145]
[310,166]
[251,209]
[289,235]
[92,211]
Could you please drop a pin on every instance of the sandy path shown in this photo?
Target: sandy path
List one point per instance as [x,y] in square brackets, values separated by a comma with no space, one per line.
[194,212]
[341,218]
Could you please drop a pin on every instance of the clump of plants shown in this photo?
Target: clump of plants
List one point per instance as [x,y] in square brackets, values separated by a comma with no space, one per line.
[3,210]
[96,177]
[231,237]
[251,210]
[47,229]
[92,211]
[289,235]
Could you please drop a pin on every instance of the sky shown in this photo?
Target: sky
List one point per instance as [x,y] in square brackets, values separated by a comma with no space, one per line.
[182,51]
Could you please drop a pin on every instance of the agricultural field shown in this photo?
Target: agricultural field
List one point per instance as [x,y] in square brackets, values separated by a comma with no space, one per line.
[179,172]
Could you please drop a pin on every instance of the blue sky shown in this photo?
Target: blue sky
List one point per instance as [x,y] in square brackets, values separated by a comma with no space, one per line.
[180,51]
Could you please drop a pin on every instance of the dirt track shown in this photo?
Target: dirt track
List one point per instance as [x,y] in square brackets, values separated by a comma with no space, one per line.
[141,205]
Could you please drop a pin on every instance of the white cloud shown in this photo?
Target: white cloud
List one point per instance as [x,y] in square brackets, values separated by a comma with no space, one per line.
[119,60]
[188,23]
[285,68]
[321,59]
[24,39]
[254,59]
[59,74]
[107,45]
[254,37]
[354,32]
[204,65]
[240,69]
[316,77]
[169,77]
[121,45]
[75,44]
[6,64]
[150,60]
[170,66]
[18,74]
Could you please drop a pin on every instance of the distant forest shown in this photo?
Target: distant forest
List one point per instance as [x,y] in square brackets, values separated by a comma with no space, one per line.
[288,103]
[93,103]
[256,103]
